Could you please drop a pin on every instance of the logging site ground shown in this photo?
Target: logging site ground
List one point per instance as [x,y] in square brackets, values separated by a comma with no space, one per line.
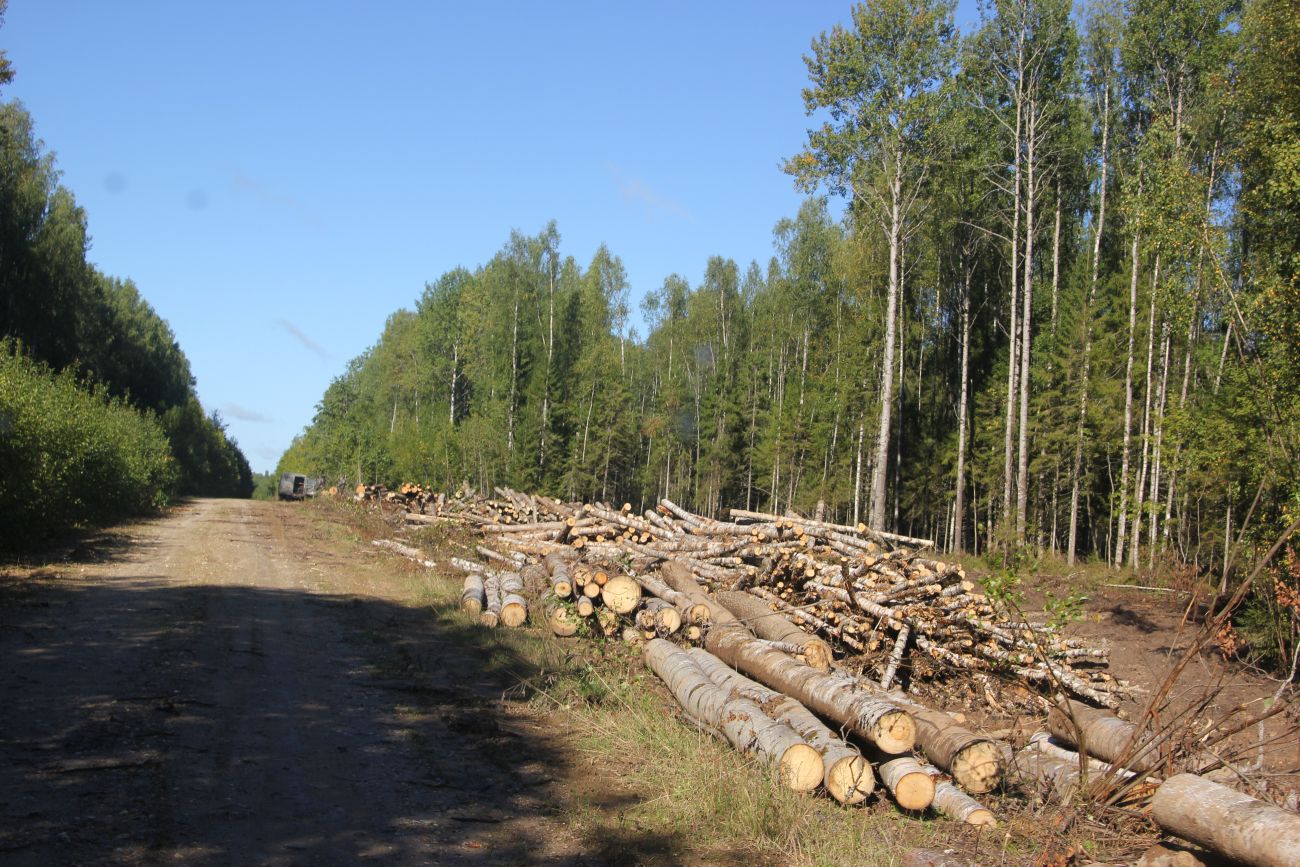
[251,682]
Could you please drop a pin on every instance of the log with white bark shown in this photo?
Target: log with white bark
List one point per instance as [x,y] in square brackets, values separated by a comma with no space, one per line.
[908,781]
[558,568]
[406,551]
[667,619]
[957,805]
[889,728]
[1227,822]
[847,775]
[473,599]
[492,609]
[691,611]
[973,760]
[765,623]
[1039,775]
[797,765]
[514,607]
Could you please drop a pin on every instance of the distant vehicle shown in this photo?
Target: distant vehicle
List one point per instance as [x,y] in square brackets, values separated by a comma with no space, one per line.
[295,486]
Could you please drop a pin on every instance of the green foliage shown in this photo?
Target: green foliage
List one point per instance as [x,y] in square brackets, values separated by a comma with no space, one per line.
[265,486]
[72,456]
[1064,610]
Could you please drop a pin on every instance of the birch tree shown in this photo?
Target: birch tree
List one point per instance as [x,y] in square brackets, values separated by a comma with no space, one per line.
[881,83]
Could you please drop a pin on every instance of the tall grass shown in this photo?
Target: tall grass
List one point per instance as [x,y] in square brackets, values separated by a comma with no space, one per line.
[71,456]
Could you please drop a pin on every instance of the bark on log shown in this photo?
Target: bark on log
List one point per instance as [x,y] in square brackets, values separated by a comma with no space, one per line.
[765,623]
[406,551]
[473,599]
[892,730]
[1227,822]
[847,775]
[973,760]
[492,609]
[1103,735]
[537,583]
[797,765]
[514,607]
[679,577]
[959,806]
[667,619]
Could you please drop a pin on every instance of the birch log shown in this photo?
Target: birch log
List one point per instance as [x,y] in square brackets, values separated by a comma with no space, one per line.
[621,594]
[1101,734]
[514,607]
[847,775]
[472,598]
[492,608]
[561,618]
[908,781]
[959,806]
[765,623]
[891,729]
[973,760]
[798,766]
[1227,822]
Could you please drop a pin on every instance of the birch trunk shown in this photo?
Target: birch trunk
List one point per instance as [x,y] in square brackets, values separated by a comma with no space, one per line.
[959,492]
[879,472]
[1026,324]
[1121,533]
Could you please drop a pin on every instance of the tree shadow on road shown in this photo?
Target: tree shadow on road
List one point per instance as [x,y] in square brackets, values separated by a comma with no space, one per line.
[144,720]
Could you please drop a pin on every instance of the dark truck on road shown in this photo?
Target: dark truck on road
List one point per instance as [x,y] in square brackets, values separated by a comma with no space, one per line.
[295,486]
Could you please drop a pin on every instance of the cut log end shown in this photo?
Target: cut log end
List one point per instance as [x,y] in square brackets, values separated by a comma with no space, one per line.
[981,818]
[894,732]
[513,614]
[978,768]
[911,786]
[800,768]
[562,622]
[620,594]
[850,780]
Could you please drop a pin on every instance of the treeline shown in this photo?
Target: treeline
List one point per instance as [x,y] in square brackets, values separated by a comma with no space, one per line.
[1060,312]
[67,326]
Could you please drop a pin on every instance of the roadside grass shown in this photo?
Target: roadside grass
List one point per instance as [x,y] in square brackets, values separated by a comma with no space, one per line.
[644,771]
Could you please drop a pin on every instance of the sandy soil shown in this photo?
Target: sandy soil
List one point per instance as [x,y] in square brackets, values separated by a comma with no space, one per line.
[218,687]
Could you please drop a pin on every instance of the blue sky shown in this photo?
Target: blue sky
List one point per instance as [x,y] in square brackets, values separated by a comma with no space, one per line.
[279,177]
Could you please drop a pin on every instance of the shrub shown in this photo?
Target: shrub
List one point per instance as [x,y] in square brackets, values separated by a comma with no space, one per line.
[71,456]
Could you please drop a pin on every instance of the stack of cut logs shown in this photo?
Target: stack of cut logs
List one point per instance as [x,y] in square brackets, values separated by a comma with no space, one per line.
[860,590]
[762,628]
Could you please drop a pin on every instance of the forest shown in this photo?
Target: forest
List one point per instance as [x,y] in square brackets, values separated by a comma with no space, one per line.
[97,402]
[1059,313]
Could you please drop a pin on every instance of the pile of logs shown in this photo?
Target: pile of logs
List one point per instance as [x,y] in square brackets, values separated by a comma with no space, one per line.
[861,591]
[762,629]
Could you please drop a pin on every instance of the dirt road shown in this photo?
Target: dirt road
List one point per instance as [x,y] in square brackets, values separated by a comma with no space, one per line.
[224,685]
